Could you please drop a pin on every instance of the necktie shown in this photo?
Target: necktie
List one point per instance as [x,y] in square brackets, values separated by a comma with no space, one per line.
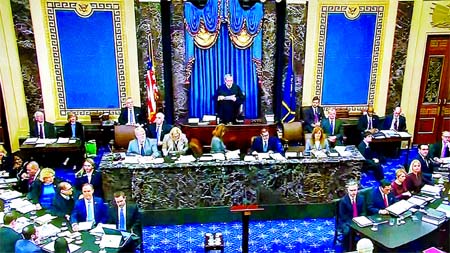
[316,116]
[332,127]
[158,133]
[90,215]
[122,220]
[369,123]
[444,150]
[130,114]
[386,204]
[355,208]
[396,124]
[175,146]
[265,146]
[142,150]
[73,130]
[41,131]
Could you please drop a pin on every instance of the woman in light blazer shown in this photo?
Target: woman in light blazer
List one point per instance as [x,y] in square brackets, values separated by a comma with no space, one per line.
[175,142]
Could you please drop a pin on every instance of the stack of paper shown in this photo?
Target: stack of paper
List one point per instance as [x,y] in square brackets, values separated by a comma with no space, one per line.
[399,207]
[9,194]
[431,190]
[30,141]
[362,221]
[277,156]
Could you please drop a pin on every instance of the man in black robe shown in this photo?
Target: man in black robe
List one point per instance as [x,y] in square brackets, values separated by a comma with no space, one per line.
[229,100]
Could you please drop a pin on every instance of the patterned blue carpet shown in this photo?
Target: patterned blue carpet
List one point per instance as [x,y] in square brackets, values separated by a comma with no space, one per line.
[307,235]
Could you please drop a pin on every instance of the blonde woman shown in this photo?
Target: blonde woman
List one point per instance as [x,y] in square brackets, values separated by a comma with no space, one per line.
[5,160]
[415,179]
[44,190]
[175,142]
[398,186]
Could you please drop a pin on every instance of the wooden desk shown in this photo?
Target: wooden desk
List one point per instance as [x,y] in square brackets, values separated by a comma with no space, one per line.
[236,137]
[52,154]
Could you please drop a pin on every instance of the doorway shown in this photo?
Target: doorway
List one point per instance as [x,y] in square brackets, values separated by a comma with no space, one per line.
[433,111]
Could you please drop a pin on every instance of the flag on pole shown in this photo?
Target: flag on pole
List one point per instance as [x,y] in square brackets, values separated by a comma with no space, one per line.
[289,95]
[152,91]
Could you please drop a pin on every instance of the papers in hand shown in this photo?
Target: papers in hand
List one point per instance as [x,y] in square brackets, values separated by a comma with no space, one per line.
[362,221]
[85,225]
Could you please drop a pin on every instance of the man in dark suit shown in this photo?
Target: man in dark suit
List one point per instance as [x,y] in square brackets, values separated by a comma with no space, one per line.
[28,244]
[372,161]
[427,164]
[229,101]
[380,198]
[395,121]
[333,128]
[313,115]
[8,234]
[131,115]
[351,205]
[266,144]
[63,201]
[368,122]
[158,129]
[41,128]
[127,217]
[88,175]
[28,176]
[441,149]
[89,208]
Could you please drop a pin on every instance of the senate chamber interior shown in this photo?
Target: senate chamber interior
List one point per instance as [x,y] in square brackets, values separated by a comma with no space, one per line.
[228,118]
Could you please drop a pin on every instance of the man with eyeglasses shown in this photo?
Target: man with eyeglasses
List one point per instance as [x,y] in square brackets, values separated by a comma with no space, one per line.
[266,144]
[427,164]
[441,149]
[63,202]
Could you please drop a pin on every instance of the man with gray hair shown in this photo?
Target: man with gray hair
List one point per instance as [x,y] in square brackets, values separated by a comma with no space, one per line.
[41,128]
[229,100]
[158,129]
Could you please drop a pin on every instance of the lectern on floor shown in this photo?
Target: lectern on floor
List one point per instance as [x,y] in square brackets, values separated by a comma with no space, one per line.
[246,211]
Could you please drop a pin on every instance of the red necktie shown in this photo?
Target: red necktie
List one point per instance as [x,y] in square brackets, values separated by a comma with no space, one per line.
[355,208]
[385,200]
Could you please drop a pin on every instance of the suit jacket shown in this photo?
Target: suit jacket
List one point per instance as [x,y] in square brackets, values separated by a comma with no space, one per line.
[376,201]
[62,206]
[388,122]
[23,185]
[436,149]
[79,133]
[139,117]
[36,190]
[26,246]
[151,131]
[273,144]
[363,122]
[346,211]
[49,130]
[308,117]
[150,147]
[427,164]
[96,181]
[338,129]
[133,218]
[79,211]
[9,239]
[180,147]
[367,153]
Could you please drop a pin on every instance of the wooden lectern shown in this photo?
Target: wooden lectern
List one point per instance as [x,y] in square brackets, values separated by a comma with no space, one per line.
[246,211]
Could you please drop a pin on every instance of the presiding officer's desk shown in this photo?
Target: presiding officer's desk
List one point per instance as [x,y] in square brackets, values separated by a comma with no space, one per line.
[198,185]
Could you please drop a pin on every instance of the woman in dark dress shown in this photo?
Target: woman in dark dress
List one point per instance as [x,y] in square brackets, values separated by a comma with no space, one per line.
[398,186]
[415,179]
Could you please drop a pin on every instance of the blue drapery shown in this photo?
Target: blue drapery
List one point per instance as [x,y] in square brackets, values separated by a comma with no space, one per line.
[223,53]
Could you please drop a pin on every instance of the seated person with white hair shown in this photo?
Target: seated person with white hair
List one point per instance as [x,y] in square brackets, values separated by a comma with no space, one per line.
[364,245]
[43,190]
[175,142]
[41,128]
[142,145]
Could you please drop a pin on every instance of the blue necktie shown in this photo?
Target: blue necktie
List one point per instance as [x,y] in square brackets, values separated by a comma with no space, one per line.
[122,220]
[73,130]
[142,150]
[90,215]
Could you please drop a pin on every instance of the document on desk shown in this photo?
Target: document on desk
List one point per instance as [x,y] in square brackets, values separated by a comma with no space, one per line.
[362,221]
[8,195]
[30,141]
[431,190]
[399,207]
[404,134]
[8,180]
[277,157]
[85,225]
[50,247]
[185,159]
[46,218]
[62,140]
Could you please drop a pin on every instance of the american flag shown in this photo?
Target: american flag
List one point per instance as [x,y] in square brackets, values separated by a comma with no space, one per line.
[152,91]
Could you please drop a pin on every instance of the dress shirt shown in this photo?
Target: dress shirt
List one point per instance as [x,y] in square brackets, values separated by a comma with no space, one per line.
[72,126]
[130,116]
[369,122]
[395,121]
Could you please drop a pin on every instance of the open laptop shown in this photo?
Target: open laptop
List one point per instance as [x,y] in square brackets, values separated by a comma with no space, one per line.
[114,238]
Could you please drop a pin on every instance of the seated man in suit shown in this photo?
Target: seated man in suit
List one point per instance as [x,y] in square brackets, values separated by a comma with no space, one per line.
[158,129]
[380,198]
[73,128]
[368,122]
[333,128]
[395,121]
[229,100]
[127,217]
[142,145]
[41,128]
[28,244]
[88,208]
[63,201]
[351,205]
[313,115]
[28,176]
[372,161]
[427,164]
[266,143]
[131,115]
[8,234]
[441,149]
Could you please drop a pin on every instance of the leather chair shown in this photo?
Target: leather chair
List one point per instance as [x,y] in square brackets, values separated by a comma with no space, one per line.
[122,136]
[293,138]
[196,147]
